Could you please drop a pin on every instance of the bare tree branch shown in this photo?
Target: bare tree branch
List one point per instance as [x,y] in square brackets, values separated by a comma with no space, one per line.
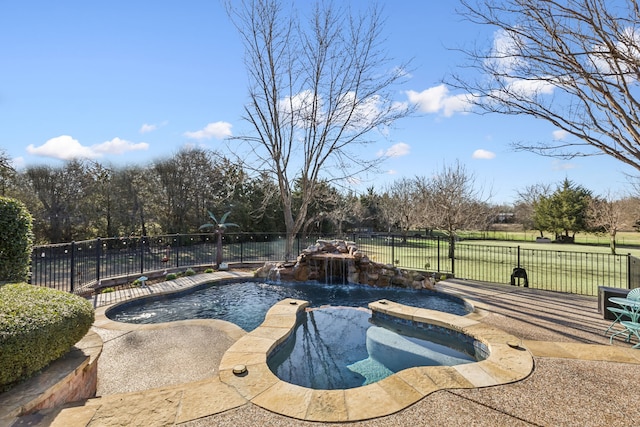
[572,63]
[318,89]
[452,201]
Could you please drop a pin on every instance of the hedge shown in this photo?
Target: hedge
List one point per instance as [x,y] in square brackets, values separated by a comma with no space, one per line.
[16,242]
[37,326]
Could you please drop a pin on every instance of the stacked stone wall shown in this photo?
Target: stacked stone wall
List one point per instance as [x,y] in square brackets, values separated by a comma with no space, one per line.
[332,261]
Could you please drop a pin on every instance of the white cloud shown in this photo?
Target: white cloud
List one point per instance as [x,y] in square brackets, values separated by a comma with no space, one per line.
[622,66]
[560,135]
[218,130]
[119,146]
[529,88]
[392,172]
[145,128]
[505,55]
[483,154]
[64,147]
[300,108]
[429,100]
[438,100]
[397,150]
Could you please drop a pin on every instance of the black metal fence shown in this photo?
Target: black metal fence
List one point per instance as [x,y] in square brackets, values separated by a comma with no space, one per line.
[79,266]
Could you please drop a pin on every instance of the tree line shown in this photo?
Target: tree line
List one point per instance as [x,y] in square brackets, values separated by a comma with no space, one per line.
[84,199]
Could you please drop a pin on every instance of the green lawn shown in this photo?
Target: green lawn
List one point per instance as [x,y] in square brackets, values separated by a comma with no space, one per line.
[623,238]
[573,268]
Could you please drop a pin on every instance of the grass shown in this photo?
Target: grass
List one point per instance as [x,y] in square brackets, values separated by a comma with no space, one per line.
[623,238]
[573,268]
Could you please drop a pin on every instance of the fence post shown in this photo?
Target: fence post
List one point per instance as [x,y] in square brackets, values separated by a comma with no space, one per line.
[628,271]
[98,258]
[438,254]
[518,256]
[177,242]
[73,265]
[393,250]
[452,243]
[141,255]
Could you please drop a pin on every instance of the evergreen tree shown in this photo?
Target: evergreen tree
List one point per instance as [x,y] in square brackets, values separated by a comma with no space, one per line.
[564,213]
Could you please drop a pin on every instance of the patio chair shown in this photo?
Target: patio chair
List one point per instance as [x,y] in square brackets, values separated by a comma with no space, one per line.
[630,328]
[619,312]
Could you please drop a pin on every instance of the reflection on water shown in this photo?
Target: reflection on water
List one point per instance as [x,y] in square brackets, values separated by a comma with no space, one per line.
[339,348]
[246,303]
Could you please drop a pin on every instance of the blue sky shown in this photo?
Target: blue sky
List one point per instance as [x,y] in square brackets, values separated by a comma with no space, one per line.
[128,82]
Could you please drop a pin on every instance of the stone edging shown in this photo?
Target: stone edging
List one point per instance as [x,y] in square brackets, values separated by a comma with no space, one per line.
[71,378]
[507,362]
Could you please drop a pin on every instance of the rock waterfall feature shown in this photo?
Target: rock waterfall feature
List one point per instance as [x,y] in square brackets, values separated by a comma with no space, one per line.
[340,262]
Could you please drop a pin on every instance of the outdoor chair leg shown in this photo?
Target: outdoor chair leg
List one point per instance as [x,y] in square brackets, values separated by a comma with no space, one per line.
[611,326]
[619,315]
[622,332]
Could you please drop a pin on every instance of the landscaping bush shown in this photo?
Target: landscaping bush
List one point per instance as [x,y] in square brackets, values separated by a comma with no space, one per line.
[37,326]
[16,242]
[171,276]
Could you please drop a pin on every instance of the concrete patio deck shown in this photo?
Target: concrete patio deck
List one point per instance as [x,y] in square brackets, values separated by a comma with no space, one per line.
[167,374]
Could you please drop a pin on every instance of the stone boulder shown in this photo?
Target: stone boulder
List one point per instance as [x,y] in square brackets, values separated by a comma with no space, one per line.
[340,260]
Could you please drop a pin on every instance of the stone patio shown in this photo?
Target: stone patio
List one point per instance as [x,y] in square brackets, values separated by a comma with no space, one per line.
[572,380]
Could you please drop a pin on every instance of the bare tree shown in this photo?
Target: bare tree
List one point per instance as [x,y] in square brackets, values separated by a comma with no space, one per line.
[62,193]
[191,182]
[317,88]
[573,63]
[606,214]
[525,204]
[453,202]
[401,205]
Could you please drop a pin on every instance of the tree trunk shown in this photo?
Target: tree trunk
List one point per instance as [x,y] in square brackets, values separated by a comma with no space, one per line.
[452,246]
[289,224]
[291,238]
[219,250]
[612,242]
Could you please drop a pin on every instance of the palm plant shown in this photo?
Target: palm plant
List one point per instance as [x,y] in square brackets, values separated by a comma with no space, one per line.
[219,229]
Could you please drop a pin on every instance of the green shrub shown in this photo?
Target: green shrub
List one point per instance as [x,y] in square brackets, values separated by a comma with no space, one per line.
[37,326]
[16,242]
[107,290]
[171,276]
[209,270]
[189,272]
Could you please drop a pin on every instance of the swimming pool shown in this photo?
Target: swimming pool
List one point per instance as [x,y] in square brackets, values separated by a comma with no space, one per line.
[340,348]
[245,303]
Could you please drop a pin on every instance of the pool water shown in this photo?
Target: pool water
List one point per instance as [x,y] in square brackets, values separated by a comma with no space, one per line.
[246,303]
[339,348]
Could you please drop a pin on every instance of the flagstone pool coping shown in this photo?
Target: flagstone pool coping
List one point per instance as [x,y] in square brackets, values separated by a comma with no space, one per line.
[509,360]
[261,387]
